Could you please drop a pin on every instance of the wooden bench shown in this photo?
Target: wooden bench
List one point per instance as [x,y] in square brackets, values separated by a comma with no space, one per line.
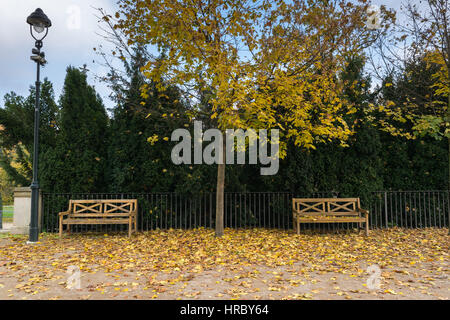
[100,212]
[328,210]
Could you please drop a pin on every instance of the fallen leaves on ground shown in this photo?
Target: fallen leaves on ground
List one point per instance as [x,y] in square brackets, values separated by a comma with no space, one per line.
[183,254]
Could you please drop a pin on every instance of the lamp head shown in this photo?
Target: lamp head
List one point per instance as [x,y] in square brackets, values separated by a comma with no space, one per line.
[39,21]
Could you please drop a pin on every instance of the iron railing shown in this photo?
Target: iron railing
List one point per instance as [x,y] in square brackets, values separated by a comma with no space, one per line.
[410,209]
[415,209]
[1,212]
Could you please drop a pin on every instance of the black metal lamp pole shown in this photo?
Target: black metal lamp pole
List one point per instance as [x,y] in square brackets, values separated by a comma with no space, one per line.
[1,212]
[38,22]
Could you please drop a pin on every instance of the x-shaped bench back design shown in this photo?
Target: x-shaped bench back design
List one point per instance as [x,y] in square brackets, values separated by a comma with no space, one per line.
[326,206]
[103,206]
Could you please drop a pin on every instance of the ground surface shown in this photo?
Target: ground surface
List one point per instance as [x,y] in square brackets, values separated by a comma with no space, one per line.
[244,264]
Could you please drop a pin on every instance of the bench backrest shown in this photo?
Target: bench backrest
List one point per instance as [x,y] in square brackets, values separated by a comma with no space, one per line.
[326,206]
[102,207]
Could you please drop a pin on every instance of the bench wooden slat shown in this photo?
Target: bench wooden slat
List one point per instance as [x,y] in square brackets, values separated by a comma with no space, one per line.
[328,220]
[95,221]
[325,199]
[102,200]
[97,215]
[324,213]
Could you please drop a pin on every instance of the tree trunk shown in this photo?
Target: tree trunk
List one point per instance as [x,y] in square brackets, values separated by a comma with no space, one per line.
[220,203]
[220,199]
[447,120]
[448,139]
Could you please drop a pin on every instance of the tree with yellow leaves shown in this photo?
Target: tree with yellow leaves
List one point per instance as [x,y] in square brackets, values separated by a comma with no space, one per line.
[422,37]
[266,64]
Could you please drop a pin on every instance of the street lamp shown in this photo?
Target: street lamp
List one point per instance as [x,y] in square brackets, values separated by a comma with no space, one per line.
[38,22]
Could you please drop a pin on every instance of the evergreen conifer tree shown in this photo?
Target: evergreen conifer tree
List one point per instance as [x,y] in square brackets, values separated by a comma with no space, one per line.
[16,134]
[77,162]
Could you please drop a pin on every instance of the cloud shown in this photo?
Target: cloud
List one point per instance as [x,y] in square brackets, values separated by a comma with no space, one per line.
[70,41]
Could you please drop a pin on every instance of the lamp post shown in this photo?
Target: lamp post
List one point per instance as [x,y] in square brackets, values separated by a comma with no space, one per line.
[39,23]
[1,212]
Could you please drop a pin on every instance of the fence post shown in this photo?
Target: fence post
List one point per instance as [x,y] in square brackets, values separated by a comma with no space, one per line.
[385,209]
[1,212]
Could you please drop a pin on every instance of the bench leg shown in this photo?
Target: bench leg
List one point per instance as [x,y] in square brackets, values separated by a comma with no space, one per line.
[367,226]
[60,227]
[135,224]
[298,227]
[130,226]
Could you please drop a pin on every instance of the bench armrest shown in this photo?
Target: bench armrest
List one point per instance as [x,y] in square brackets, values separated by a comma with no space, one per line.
[64,213]
[363,211]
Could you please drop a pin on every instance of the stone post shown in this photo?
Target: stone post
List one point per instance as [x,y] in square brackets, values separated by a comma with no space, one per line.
[22,210]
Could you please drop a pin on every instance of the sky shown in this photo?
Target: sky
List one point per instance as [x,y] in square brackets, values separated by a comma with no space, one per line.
[70,41]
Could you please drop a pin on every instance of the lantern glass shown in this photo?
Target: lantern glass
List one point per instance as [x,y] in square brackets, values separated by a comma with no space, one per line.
[39,28]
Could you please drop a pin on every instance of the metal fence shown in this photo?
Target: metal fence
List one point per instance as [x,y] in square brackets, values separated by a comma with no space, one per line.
[255,209]
[1,212]
[410,209]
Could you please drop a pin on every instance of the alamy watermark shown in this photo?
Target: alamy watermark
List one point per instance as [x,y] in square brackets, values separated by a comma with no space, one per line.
[235,140]
[74,18]
[373,17]
[74,278]
[374,281]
